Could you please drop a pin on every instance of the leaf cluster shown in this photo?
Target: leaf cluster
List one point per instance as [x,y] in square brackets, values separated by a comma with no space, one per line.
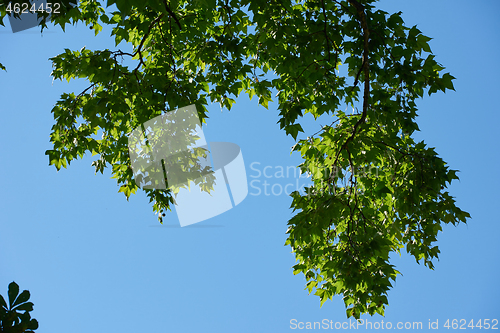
[15,315]
[64,7]
[375,190]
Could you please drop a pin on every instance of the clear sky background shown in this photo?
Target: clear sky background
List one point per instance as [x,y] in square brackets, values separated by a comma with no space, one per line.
[94,262]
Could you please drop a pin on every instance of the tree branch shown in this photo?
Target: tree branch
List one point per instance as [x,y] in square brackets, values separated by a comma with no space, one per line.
[144,39]
[366,69]
[325,29]
[171,13]
[366,64]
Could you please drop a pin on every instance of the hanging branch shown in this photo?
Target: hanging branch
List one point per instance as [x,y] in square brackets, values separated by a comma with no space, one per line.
[171,13]
[366,65]
[139,48]
[365,68]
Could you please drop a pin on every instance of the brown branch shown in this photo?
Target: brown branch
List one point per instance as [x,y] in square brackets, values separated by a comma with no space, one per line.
[312,63]
[356,79]
[141,61]
[325,29]
[366,68]
[366,64]
[171,13]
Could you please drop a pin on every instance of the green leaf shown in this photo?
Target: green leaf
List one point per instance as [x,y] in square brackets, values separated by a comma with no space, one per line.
[28,306]
[54,158]
[294,130]
[422,42]
[447,81]
[33,325]
[23,297]
[12,292]
[2,302]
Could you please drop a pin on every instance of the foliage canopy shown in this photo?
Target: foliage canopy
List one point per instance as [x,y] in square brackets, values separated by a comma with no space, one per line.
[376,190]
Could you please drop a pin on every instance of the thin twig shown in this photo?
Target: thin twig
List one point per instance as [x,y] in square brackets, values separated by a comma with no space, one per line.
[366,64]
[141,44]
[325,29]
[366,68]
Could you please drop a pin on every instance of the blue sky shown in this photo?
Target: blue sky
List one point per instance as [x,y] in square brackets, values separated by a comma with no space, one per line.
[94,262]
